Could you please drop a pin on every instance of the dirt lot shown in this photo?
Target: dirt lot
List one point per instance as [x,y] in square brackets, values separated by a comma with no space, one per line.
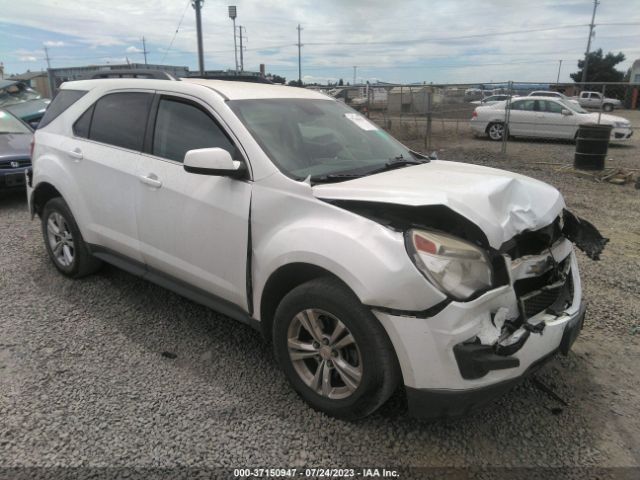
[83,381]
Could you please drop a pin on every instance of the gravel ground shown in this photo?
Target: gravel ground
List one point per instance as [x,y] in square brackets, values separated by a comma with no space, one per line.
[84,382]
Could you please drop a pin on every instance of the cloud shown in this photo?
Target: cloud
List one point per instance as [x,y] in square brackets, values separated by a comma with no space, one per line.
[408,41]
[28,59]
[53,43]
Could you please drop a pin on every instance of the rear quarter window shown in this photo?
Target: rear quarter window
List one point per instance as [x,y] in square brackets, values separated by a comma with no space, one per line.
[63,100]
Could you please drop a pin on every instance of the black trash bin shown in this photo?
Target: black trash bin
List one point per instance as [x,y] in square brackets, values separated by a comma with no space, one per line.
[592,143]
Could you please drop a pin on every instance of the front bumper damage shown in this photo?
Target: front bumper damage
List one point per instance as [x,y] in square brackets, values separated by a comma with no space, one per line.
[470,352]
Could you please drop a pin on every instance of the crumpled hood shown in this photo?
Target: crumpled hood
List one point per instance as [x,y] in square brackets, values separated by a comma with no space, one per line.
[501,203]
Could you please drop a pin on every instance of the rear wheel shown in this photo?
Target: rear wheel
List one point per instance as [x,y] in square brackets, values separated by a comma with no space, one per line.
[607,107]
[63,241]
[332,349]
[496,131]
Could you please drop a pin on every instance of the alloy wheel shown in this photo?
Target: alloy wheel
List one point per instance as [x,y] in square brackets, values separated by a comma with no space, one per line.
[496,131]
[60,239]
[324,354]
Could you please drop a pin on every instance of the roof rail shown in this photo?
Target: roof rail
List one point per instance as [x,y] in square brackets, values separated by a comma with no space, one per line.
[132,73]
[232,78]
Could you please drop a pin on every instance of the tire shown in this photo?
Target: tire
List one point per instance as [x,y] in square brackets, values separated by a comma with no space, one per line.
[607,107]
[59,229]
[496,131]
[362,375]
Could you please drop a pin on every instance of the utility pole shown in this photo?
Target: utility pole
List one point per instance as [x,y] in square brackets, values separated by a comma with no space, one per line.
[586,57]
[233,13]
[299,57]
[241,55]
[50,80]
[144,50]
[46,55]
[197,5]
[355,68]
[559,67]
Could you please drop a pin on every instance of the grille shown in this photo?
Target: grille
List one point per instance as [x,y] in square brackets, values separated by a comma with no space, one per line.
[540,301]
[539,293]
[21,163]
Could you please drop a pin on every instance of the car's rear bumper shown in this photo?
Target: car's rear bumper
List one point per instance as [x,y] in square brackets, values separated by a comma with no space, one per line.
[13,178]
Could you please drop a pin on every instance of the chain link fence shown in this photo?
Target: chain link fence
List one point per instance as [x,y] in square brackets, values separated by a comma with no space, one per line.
[536,122]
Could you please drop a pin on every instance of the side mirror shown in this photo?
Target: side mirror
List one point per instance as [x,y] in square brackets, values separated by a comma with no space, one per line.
[213,161]
[566,112]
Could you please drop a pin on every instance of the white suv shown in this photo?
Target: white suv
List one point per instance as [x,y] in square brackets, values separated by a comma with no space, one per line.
[368,265]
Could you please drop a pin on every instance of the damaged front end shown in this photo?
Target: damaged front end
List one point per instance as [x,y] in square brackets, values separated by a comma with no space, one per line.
[534,281]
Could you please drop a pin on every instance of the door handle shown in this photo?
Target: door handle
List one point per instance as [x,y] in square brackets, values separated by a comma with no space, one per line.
[76,154]
[151,180]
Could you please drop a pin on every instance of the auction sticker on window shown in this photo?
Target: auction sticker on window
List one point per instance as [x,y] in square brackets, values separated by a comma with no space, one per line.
[360,121]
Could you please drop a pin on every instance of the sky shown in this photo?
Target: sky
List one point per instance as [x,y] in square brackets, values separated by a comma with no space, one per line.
[406,41]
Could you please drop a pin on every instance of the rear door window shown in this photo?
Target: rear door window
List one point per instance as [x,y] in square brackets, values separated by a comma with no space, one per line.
[120,119]
[63,100]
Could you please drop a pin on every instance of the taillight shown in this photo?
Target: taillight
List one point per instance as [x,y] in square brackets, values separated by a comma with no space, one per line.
[33,144]
[474,114]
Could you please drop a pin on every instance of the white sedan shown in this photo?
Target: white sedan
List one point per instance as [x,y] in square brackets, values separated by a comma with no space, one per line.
[545,117]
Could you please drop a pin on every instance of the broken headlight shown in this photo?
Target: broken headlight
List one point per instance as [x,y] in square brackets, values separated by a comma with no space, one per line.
[456,267]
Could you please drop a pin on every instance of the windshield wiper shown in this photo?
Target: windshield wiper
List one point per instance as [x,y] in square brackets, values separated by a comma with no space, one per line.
[335,177]
[391,164]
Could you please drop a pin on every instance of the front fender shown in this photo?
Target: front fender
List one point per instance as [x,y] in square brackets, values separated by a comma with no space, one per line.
[370,258]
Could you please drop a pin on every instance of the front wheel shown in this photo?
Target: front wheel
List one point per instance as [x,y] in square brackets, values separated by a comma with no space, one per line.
[334,352]
[496,131]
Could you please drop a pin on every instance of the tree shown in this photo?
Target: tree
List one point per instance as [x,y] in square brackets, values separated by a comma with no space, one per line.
[295,83]
[601,68]
[340,83]
[276,78]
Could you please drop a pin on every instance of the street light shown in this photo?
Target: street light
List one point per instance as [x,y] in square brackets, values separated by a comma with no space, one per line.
[233,13]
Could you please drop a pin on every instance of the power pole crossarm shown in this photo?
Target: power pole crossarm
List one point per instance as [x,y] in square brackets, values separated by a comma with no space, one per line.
[586,56]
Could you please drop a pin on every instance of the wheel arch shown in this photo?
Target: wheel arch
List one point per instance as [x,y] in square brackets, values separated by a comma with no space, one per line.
[43,192]
[282,281]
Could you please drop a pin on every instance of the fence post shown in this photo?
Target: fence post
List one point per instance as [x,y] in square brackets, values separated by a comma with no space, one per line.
[604,90]
[507,115]
[427,137]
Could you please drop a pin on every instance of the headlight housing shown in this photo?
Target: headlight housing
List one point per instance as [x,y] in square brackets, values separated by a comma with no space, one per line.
[621,125]
[456,267]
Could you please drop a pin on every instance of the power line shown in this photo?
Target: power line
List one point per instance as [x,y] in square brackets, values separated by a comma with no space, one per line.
[176,32]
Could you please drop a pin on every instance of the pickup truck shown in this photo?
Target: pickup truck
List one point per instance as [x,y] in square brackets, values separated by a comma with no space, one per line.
[596,100]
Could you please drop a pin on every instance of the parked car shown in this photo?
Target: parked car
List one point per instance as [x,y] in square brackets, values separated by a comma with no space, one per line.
[546,117]
[366,264]
[15,151]
[546,93]
[491,100]
[596,100]
[23,101]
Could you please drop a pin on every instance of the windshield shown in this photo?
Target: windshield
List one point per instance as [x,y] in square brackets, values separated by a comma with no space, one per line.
[10,124]
[17,93]
[317,137]
[572,106]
